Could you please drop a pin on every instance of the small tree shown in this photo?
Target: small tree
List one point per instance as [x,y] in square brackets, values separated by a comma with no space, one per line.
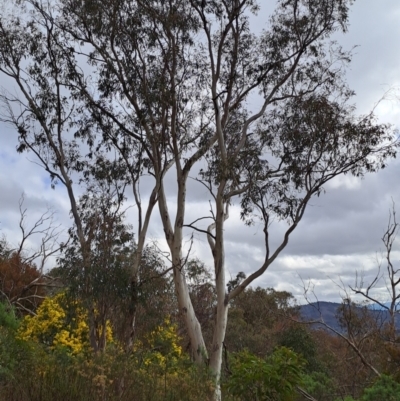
[104,285]
[257,320]
[391,278]
[359,329]
[101,282]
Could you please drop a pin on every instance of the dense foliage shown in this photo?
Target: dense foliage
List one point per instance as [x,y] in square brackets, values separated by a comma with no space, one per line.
[273,378]
[48,357]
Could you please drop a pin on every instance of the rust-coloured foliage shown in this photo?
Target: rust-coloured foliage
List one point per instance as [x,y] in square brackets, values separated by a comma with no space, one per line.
[21,283]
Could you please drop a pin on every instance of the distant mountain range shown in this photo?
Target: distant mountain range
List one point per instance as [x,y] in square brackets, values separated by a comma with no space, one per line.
[328,312]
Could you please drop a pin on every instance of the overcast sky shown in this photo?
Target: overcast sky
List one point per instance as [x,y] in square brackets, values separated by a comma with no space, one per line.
[341,231]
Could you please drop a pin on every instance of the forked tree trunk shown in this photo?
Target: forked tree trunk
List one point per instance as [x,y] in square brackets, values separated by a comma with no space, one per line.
[186,310]
[174,241]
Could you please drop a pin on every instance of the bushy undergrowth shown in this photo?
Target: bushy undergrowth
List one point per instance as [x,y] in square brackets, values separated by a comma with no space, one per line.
[35,367]
[31,370]
[157,369]
[33,374]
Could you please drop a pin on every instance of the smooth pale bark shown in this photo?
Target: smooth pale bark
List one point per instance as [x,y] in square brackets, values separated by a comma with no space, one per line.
[174,240]
[197,344]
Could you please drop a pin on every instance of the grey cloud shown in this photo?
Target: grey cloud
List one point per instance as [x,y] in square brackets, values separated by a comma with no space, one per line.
[346,221]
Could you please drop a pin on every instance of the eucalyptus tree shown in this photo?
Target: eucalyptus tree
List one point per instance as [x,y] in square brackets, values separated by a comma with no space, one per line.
[54,125]
[189,88]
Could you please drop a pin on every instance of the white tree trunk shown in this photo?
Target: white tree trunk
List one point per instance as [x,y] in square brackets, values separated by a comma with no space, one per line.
[197,344]
[174,240]
[221,318]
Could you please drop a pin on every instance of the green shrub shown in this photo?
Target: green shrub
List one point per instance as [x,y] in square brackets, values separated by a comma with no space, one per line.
[8,319]
[319,385]
[299,339]
[385,388]
[271,379]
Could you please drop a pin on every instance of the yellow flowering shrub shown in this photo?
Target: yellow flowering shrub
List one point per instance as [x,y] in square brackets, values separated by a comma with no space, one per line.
[164,346]
[52,326]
